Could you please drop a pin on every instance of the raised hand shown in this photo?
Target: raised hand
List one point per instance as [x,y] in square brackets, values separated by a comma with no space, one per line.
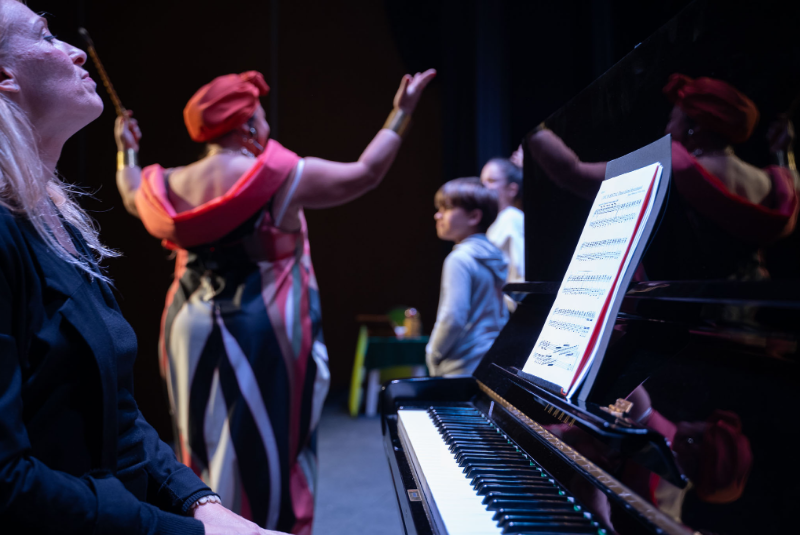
[410,90]
[127,132]
[780,134]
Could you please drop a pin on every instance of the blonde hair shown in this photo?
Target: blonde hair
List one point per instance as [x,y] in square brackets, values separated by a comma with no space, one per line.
[29,189]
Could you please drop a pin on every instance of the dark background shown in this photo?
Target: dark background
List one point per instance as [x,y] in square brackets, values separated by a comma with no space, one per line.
[334,67]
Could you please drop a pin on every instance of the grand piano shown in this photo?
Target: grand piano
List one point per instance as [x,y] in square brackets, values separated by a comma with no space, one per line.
[689,426]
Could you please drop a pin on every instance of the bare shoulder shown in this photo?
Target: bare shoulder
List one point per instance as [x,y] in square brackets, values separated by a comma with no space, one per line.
[739,177]
[205,179]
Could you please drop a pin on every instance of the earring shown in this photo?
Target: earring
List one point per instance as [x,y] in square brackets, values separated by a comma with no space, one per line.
[251,140]
[690,132]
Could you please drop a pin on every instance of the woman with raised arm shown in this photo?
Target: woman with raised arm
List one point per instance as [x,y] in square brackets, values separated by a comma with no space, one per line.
[730,209]
[76,456]
[241,340]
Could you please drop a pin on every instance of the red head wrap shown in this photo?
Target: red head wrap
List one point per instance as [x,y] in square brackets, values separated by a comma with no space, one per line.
[725,459]
[223,104]
[715,105]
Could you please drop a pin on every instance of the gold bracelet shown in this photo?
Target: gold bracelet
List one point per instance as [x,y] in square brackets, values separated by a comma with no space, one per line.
[127,158]
[398,121]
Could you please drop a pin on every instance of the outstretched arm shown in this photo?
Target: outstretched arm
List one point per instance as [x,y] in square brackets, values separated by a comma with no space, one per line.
[563,166]
[129,174]
[324,183]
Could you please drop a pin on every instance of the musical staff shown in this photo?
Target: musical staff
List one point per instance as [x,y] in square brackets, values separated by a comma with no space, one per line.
[603,243]
[584,277]
[600,223]
[605,255]
[583,314]
[614,207]
[580,330]
[579,290]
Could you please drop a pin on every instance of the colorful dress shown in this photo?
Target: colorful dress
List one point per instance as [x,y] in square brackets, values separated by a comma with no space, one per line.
[241,343]
[709,232]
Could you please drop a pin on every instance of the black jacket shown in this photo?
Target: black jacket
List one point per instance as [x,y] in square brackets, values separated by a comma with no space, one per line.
[76,456]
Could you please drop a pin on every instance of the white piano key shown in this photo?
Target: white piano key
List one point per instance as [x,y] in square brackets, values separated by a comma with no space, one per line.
[460,508]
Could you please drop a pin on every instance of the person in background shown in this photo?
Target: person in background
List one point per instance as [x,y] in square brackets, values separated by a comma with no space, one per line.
[507,232]
[731,209]
[471,311]
[241,343]
[76,455]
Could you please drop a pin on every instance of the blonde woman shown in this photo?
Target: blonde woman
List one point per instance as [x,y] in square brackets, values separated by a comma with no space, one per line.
[76,456]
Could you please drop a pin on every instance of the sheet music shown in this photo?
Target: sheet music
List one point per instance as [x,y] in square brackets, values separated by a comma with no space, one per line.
[612,230]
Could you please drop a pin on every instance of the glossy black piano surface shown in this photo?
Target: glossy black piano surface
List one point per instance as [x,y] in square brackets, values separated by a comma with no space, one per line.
[689,350]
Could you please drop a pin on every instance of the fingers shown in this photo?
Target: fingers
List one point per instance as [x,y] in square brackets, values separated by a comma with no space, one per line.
[421,80]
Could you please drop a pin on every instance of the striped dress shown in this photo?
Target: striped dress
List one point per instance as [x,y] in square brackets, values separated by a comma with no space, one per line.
[241,344]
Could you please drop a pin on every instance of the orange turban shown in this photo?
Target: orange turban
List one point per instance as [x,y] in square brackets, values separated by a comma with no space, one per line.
[223,104]
[725,459]
[715,105]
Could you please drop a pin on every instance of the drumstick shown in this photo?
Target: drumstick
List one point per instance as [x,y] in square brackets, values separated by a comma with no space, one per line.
[121,111]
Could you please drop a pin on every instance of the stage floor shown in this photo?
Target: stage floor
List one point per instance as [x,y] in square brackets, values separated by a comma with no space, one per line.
[355,493]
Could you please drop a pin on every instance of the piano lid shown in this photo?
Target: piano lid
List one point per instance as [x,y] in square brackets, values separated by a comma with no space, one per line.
[708,349]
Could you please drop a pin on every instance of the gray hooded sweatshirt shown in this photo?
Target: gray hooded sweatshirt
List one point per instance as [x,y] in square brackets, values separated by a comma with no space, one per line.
[471,308]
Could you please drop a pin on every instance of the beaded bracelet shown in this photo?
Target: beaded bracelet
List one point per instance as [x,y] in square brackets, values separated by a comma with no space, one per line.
[211,498]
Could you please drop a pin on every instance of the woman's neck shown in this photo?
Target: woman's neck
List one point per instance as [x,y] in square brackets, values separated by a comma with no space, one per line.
[228,148]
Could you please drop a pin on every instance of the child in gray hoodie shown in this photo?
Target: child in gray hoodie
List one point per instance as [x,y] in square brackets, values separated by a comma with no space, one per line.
[471,309]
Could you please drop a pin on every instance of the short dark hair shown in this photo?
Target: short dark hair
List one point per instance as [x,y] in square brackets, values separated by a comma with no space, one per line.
[511,171]
[468,193]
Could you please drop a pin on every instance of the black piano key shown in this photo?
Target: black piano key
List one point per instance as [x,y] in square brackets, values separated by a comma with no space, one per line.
[529,504]
[483,445]
[455,448]
[467,427]
[499,460]
[466,419]
[464,455]
[496,454]
[487,449]
[520,493]
[454,413]
[518,471]
[463,460]
[559,529]
[499,463]
[463,440]
[483,489]
[473,435]
[488,481]
[549,509]
[553,518]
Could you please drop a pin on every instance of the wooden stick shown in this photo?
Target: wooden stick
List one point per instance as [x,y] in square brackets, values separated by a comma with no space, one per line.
[121,111]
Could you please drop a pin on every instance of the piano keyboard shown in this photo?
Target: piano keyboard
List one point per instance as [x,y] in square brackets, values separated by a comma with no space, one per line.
[476,481]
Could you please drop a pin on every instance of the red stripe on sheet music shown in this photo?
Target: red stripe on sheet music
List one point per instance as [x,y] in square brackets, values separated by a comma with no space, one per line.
[604,310]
